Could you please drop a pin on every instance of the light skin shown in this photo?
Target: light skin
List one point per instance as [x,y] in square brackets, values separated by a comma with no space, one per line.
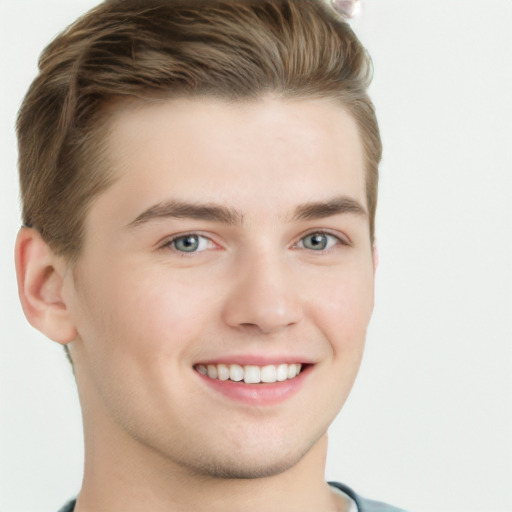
[232,233]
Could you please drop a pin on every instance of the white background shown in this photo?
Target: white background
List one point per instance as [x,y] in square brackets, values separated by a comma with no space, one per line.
[429,424]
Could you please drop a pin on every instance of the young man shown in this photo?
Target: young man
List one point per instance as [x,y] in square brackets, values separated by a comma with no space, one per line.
[199,184]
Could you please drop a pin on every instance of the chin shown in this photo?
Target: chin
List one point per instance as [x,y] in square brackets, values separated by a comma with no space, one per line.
[250,462]
[248,468]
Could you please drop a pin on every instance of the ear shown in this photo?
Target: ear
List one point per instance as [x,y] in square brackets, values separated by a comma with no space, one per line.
[375,263]
[375,257]
[40,274]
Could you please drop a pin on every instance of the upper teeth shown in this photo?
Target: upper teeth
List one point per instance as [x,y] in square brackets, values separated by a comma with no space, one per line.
[250,374]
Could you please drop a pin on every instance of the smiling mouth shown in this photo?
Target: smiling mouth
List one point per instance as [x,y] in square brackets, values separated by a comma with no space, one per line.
[251,374]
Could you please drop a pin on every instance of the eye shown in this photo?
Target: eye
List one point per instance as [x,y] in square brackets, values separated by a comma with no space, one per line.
[190,243]
[319,241]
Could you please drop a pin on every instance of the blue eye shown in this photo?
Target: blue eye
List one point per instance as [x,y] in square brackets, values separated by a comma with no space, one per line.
[319,241]
[190,243]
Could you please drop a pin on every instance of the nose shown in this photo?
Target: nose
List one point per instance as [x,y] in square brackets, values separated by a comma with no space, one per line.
[264,298]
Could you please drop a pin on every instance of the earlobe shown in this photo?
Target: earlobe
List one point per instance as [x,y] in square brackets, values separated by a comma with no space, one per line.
[40,276]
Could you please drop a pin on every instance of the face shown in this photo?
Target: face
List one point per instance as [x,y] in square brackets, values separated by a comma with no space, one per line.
[226,281]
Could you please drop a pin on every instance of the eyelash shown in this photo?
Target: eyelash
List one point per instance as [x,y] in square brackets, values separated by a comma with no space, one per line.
[171,243]
[339,241]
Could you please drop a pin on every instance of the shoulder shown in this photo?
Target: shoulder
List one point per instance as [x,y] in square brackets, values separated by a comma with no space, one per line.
[68,507]
[364,504]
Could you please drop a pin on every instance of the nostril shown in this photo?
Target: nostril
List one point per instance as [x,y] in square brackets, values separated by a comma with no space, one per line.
[264,327]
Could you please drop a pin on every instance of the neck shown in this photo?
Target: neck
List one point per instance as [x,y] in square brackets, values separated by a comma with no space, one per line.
[122,474]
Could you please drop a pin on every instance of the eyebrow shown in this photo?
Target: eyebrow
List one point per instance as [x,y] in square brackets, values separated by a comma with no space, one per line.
[182,209]
[219,213]
[335,206]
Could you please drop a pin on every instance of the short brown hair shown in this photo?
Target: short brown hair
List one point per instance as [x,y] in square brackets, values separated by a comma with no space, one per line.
[230,49]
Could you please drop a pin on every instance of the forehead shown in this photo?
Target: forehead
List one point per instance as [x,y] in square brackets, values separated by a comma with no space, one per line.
[266,153]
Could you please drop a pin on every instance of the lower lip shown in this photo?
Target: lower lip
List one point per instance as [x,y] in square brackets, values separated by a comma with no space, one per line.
[258,394]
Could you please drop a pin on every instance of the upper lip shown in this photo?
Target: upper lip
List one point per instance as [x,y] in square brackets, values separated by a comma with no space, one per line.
[257,360]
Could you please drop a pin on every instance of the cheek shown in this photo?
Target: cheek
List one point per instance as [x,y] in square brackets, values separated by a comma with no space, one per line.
[172,315]
[343,309]
[135,334]
[146,314]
